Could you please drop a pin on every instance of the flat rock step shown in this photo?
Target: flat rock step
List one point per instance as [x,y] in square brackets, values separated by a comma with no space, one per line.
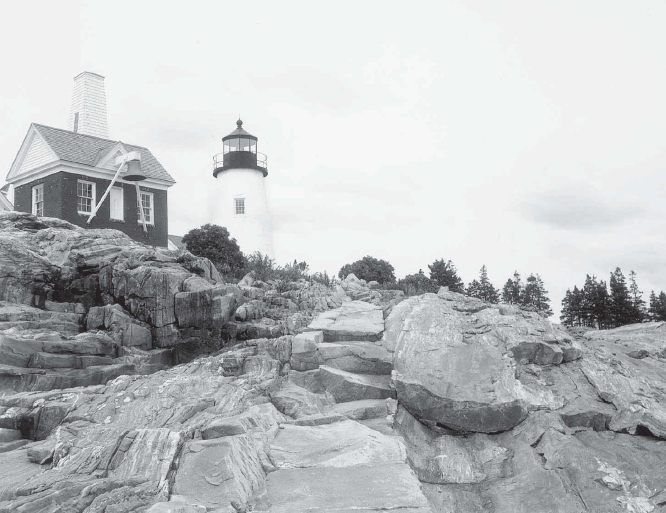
[361,489]
[356,356]
[344,386]
[361,410]
[340,467]
[355,320]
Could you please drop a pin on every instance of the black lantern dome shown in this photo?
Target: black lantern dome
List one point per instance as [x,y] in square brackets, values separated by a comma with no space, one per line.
[240,151]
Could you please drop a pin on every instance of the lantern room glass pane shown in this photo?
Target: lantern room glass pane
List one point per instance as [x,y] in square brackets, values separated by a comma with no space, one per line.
[244,144]
[234,144]
[253,146]
[226,147]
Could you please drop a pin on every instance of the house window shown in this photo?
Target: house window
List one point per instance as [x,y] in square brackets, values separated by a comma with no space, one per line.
[148,207]
[38,200]
[117,203]
[85,201]
[240,206]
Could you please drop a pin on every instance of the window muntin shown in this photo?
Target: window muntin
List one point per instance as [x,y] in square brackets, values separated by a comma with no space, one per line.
[85,197]
[117,203]
[148,207]
[234,144]
[239,206]
[38,200]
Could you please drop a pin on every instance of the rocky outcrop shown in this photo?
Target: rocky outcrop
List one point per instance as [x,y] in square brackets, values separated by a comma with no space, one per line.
[345,399]
[456,359]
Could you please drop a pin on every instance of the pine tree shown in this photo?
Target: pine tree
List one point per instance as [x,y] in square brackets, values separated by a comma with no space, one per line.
[568,315]
[620,301]
[657,311]
[446,275]
[482,288]
[576,303]
[512,290]
[601,306]
[534,294]
[638,311]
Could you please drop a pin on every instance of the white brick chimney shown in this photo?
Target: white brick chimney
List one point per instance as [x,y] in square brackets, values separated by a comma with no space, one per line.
[88,114]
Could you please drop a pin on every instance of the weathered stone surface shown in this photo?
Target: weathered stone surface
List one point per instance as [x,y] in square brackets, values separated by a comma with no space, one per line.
[358,357]
[355,320]
[362,409]
[361,489]
[346,386]
[223,427]
[9,435]
[341,444]
[220,471]
[123,329]
[296,401]
[304,353]
[452,364]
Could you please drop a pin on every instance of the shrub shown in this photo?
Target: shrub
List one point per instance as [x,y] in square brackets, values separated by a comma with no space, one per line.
[416,284]
[369,269]
[213,242]
[264,269]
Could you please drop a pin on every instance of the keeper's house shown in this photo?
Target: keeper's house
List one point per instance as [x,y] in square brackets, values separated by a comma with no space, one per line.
[65,173]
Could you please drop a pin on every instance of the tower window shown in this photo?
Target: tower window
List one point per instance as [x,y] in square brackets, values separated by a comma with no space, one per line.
[76,121]
[85,201]
[240,206]
[38,200]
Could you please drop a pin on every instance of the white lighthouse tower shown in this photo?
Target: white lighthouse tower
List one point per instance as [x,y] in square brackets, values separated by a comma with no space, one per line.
[241,205]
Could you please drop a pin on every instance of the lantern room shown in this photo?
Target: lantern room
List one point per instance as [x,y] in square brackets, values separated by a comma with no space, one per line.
[239,152]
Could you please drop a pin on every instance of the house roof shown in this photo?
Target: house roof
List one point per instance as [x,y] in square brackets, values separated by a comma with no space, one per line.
[177,241]
[89,150]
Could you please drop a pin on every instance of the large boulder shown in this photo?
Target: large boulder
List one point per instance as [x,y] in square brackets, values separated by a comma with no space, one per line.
[456,359]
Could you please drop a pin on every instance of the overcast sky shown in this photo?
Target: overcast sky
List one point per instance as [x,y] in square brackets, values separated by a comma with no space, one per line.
[525,136]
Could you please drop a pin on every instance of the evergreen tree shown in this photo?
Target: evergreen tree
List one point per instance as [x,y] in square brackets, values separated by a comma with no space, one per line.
[444,274]
[657,310]
[482,288]
[568,315]
[534,294]
[638,311]
[621,308]
[653,306]
[601,304]
[512,290]
[576,305]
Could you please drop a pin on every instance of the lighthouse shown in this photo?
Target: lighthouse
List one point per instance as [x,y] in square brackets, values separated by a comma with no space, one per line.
[241,204]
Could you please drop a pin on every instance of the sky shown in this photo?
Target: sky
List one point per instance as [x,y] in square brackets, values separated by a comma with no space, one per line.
[520,135]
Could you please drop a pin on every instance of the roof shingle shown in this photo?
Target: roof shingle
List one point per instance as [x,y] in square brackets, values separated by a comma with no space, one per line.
[89,150]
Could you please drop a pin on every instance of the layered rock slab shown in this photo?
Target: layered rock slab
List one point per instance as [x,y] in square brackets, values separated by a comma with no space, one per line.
[354,320]
[340,467]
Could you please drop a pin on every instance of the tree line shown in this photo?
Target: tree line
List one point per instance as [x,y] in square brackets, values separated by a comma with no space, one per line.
[443,273]
[602,305]
[597,304]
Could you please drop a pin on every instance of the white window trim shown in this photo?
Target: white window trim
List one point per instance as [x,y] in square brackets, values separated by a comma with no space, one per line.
[94,196]
[39,187]
[152,208]
[244,206]
[122,204]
